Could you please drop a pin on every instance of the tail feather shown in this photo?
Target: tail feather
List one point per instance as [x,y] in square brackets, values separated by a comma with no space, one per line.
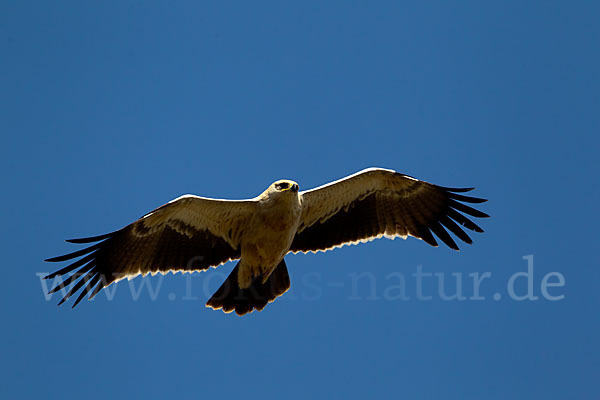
[230,296]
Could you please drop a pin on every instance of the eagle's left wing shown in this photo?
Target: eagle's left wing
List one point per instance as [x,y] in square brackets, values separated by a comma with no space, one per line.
[188,234]
[378,202]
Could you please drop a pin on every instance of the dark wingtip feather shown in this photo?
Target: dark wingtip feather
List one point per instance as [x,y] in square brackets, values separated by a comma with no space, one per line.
[53,259]
[464,221]
[57,288]
[74,254]
[86,290]
[457,190]
[73,277]
[454,228]
[467,210]
[91,238]
[72,266]
[76,287]
[466,199]
[98,288]
[426,236]
[476,229]
[441,233]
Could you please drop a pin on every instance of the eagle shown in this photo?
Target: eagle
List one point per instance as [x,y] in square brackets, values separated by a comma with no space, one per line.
[192,233]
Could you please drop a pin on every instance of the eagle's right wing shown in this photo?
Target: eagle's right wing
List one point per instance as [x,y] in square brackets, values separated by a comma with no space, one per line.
[187,234]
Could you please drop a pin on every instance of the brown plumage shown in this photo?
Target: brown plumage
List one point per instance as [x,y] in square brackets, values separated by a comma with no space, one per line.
[194,233]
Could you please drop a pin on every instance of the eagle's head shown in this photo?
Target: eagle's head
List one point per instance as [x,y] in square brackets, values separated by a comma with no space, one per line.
[283,188]
[283,185]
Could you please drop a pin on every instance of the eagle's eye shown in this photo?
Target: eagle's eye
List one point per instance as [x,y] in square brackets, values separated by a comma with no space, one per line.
[282,186]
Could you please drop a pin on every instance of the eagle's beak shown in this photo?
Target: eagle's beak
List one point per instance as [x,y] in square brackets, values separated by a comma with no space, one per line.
[294,188]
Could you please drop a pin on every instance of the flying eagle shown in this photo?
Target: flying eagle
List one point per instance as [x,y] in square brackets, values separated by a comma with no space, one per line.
[193,233]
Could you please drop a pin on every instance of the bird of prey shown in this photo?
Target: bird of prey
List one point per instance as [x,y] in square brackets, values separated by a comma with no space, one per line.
[193,233]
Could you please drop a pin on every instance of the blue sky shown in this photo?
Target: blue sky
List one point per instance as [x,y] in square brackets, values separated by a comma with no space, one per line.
[112,109]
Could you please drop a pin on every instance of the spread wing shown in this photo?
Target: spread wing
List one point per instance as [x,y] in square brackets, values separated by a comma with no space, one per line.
[379,202]
[187,234]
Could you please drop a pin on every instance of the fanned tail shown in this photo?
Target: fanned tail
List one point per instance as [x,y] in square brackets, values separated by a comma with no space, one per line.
[230,296]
